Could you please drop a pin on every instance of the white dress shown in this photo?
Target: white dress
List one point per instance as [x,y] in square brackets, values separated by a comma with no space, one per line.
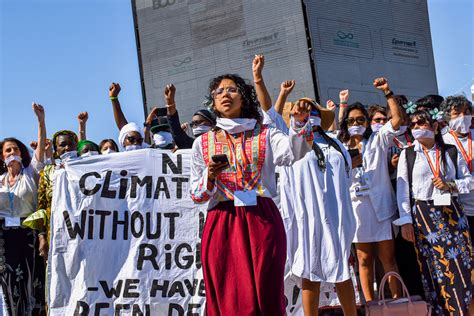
[320,242]
[372,194]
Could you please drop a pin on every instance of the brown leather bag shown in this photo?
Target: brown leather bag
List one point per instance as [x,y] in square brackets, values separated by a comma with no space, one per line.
[406,306]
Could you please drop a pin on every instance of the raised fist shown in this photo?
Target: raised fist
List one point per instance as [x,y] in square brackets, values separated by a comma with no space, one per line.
[381,84]
[330,105]
[170,90]
[82,117]
[287,86]
[114,90]
[257,66]
[39,111]
[343,96]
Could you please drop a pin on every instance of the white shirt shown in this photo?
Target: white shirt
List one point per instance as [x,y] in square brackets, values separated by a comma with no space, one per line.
[375,170]
[272,117]
[467,200]
[281,150]
[422,186]
[21,199]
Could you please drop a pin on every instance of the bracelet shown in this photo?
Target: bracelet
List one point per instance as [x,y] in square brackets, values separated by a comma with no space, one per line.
[343,104]
[42,234]
[146,124]
[388,94]
[113,98]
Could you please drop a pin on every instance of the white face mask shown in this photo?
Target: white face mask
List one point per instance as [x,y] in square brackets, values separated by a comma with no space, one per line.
[234,126]
[201,129]
[315,120]
[133,147]
[11,159]
[356,130]
[461,124]
[422,133]
[108,151]
[90,153]
[68,155]
[376,127]
[162,139]
[402,130]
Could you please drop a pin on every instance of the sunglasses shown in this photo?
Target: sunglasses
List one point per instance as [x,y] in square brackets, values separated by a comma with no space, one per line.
[419,122]
[219,92]
[360,120]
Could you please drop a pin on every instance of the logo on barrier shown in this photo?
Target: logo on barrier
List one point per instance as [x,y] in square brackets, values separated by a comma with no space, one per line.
[159,4]
[180,62]
[343,35]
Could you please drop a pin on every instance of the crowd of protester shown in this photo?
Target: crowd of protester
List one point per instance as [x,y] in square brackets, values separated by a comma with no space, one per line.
[391,183]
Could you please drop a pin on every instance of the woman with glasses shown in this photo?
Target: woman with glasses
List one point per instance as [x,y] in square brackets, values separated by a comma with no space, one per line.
[233,168]
[430,176]
[372,195]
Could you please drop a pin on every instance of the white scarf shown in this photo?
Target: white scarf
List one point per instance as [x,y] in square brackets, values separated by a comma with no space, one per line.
[238,125]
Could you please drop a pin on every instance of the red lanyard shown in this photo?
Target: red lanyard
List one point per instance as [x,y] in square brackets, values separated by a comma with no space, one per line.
[240,169]
[399,144]
[435,172]
[467,156]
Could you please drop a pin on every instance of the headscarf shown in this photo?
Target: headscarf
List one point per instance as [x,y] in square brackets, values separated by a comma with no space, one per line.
[83,143]
[126,129]
[62,132]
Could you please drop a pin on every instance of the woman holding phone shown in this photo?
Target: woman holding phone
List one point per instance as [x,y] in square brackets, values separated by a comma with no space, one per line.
[243,243]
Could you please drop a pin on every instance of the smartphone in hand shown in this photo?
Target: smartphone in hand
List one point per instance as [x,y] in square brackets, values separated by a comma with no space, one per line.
[220,158]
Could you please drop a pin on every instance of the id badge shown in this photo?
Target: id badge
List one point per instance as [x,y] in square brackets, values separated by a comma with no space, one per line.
[12,222]
[362,190]
[441,198]
[245,198]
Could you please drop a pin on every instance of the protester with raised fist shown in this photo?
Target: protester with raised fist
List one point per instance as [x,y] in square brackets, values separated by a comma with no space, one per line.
[316,190]
[233,168]
[373,198]
[202,121]
[21,267]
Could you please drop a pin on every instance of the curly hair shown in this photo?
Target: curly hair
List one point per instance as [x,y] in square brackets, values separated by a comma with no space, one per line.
[25,154]
[458,102]
[250,104]
[344,135]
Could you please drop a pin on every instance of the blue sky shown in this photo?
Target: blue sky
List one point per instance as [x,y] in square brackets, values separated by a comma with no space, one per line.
[66,56]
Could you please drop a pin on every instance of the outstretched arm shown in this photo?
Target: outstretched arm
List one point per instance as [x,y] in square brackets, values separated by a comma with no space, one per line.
[262,93]
[285,89]
[39,152]
[119,117]
[382,84]
[82,119]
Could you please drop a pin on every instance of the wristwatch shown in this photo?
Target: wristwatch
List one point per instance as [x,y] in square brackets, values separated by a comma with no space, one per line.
[388,93]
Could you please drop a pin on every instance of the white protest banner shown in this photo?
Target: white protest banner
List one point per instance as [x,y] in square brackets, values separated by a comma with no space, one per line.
[125,238]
